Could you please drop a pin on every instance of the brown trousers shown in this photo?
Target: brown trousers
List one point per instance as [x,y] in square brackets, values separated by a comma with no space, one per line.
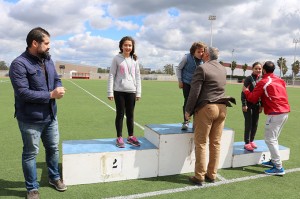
[208,125]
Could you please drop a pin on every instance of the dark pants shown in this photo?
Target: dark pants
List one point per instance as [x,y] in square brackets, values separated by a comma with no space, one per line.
[251,122]
[125,102]
[186,90]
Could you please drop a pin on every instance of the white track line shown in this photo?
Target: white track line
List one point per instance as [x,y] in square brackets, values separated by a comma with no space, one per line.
[220,177]
[189,188]
[4,81]
[137,124]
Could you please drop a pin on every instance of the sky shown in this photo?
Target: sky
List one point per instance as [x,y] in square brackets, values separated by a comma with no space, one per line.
[87,32]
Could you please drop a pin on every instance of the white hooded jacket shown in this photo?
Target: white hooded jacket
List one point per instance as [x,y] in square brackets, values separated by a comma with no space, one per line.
[124,76]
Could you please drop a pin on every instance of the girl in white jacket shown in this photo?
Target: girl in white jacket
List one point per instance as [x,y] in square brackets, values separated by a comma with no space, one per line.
[124,86]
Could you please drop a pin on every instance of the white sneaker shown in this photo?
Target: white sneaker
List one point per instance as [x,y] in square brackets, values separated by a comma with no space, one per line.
[185,126]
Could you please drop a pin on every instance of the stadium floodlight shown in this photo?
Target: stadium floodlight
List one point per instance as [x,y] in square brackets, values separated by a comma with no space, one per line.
[295,41]
[211,18]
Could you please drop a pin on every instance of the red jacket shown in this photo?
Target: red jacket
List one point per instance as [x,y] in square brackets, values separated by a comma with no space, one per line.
[272,92]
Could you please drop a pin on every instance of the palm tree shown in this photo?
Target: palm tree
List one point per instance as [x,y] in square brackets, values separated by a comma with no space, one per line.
[245,67]
[295,67]
[232,67]
[281,62]
[284,70]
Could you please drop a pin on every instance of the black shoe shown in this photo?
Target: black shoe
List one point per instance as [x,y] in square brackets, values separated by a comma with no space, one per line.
[207,179]
[195,181]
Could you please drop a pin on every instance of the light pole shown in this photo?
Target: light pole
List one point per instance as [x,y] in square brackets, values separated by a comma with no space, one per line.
[281,64]
[211,18]
[295,41]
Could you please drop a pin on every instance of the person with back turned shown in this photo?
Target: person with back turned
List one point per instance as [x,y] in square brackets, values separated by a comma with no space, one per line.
[208,103]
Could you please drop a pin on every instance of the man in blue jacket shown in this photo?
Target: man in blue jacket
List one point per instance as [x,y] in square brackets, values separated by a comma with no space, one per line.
[36,87]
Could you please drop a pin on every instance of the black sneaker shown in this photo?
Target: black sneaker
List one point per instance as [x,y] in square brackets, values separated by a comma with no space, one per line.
[33,194]
[58,184]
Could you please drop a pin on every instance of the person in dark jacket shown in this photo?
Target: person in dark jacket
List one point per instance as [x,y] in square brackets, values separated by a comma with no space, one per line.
[251,111]
[185,72]
[36,87]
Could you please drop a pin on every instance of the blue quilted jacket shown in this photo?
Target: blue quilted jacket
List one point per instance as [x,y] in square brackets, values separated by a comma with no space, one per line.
[32,90]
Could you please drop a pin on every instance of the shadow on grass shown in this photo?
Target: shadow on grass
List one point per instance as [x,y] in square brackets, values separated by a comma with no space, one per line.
[183,178]
[176,179]
[18,189]
[8,188]
[255,169]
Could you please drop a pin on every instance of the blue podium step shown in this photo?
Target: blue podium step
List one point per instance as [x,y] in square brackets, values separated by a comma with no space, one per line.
[102,145]
[99,160]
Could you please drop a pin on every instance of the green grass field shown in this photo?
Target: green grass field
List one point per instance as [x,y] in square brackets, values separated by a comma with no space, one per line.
[82,116]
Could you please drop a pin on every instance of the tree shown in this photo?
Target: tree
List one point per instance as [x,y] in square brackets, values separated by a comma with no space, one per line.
[245,67]
[3,66]
[102,70]
[168,69]
[142,69]
[158,71]
[284,70]
[232,67]
[295,67]
[62,67]
[281,62]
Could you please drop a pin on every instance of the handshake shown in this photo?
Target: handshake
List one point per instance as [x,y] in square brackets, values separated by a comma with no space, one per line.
[57,93]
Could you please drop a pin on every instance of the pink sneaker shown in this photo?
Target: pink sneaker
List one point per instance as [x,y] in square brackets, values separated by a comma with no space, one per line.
[254,146]
[133,141]
[120,142]
[248,147]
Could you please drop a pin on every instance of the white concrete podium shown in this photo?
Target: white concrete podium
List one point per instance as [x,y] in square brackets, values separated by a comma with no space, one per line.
[165,150]
[177,149]
[242,157]
[93,161]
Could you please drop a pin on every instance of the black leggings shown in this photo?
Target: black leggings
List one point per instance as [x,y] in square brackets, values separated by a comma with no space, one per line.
[186,90]
[124,102]
[251,122]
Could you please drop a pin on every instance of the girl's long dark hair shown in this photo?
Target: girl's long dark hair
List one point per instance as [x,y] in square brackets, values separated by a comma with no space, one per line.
[132,54]
[255,63]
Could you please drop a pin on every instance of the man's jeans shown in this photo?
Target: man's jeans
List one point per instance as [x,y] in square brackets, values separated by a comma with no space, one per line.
[31,134]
